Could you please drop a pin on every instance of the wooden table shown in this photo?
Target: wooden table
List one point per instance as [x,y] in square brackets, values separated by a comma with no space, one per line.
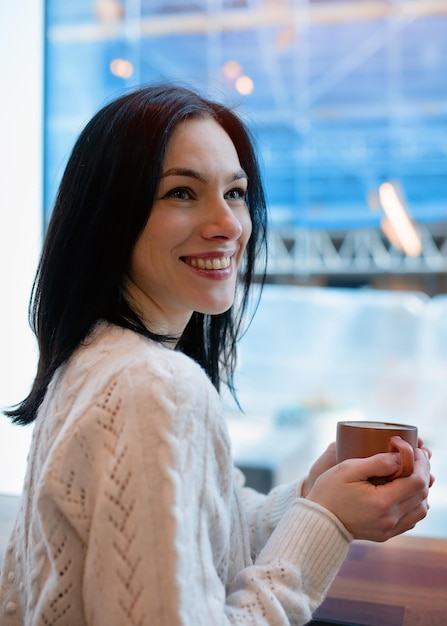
[402,582]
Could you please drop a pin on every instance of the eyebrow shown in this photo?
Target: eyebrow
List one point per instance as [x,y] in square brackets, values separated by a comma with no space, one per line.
[185,171]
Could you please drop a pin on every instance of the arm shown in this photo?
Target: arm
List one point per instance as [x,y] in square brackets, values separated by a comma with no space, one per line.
[154,505]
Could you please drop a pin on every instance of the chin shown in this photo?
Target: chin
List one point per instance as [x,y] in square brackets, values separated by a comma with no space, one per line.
[216,309]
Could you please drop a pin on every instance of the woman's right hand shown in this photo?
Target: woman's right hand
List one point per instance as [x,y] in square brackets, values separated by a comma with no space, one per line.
[375,512]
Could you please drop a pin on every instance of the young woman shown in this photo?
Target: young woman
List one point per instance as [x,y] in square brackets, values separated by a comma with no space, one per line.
[132,511]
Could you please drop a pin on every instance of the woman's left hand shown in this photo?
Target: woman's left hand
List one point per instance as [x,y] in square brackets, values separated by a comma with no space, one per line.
[328,460]
[323,463]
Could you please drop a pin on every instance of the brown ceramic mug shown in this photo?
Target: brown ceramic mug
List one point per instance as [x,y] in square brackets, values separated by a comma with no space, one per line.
[360,439]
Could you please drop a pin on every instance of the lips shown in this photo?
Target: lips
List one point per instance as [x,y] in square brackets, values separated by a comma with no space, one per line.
[217,263]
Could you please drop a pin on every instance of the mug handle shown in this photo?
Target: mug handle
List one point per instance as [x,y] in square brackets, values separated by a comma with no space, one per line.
[397,444]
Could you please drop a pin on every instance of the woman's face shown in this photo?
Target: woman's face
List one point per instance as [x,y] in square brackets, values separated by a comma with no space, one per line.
[187,257]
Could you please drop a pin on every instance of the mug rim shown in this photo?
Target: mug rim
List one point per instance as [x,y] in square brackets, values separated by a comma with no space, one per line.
[370,424]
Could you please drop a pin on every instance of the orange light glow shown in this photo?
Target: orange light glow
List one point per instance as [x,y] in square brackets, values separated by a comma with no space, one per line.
[244,85]
[109,10]
[398,224]
[232,69]
[121,68]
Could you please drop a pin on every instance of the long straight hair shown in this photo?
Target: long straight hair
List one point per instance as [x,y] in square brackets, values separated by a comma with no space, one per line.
[103,203]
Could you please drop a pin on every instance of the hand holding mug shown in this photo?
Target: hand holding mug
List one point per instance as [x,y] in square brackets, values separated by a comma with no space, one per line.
[375,512]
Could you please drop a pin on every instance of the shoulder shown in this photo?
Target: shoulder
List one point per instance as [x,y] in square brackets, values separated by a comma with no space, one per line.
[154,358]
[118,347]
[139,410]
[121,392]
[137,382]
[132,361]
[118,379]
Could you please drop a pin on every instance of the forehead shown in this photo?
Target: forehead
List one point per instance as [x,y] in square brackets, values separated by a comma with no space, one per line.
[200,139]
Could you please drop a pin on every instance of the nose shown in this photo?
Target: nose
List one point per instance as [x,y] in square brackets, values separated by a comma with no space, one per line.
[222,222]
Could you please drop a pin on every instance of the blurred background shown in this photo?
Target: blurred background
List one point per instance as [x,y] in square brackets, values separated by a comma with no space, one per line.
[348,102]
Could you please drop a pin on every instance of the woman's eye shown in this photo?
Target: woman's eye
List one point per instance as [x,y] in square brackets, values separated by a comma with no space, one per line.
[238,193]
[181,193]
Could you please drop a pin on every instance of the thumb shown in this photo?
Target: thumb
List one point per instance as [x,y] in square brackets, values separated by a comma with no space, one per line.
[380,465]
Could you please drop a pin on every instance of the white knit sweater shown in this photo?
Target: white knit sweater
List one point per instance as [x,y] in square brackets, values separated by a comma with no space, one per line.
[132,512]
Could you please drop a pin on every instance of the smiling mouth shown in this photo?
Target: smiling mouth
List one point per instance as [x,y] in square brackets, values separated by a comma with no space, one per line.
[209,264]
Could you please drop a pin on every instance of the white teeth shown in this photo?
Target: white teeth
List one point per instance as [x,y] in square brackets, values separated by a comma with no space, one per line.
[210,264]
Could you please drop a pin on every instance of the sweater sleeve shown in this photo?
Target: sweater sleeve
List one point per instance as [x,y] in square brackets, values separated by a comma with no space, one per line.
[264,511]
[144,480]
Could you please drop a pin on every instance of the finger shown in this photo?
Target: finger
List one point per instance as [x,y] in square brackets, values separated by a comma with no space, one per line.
[422,447]
[321,465]
[426,451]
[406,504]
[377,466]
[326,460]
[410,491]
[411,518]
[423,455]
[330,451]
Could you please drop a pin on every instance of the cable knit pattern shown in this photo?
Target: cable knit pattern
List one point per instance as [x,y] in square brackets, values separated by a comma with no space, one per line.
[132,513]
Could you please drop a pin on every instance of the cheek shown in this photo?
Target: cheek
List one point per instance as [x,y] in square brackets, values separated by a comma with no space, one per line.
[139,262]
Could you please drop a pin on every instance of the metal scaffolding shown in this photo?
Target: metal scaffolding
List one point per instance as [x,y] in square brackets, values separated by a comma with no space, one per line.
[301,253]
